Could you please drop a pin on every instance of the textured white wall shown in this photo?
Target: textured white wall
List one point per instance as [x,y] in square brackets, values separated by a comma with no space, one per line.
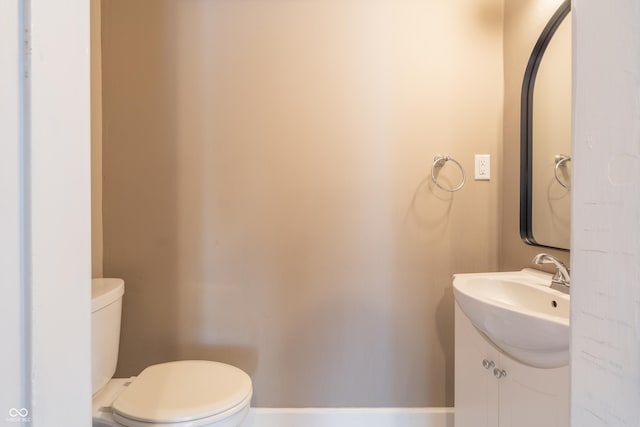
[606,216]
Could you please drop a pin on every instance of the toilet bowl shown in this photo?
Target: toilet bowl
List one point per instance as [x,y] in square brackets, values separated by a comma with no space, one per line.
[186,393]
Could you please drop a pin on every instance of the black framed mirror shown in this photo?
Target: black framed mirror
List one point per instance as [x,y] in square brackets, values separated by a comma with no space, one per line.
[545,137]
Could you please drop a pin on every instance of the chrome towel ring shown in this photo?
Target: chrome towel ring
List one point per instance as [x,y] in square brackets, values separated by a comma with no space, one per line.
[560,161]
[438,162]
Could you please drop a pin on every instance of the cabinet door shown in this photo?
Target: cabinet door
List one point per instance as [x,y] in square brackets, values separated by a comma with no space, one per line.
[532,397]
[476,389]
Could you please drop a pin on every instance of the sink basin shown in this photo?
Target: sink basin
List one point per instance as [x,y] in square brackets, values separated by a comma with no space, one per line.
[519,313]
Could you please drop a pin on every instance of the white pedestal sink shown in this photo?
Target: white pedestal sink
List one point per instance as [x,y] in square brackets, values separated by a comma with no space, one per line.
[519,313]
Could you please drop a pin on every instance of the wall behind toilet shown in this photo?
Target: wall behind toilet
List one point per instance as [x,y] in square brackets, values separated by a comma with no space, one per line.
[96,140]
[266,194]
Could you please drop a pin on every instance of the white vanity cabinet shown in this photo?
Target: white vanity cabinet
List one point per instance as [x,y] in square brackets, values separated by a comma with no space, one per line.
[494,390]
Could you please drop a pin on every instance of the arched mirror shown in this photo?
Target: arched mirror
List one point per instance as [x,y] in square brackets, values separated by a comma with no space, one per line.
[545,166]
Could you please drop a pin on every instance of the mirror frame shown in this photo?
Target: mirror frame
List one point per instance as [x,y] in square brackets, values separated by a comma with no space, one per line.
[526,124]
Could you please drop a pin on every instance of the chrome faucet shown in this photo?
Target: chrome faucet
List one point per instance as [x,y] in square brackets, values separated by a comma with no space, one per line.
[561,280]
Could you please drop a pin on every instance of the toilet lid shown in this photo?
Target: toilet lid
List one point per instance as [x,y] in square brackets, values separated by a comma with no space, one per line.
[182,391]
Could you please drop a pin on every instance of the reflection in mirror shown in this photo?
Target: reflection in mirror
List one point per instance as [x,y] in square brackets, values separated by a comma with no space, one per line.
[546,137]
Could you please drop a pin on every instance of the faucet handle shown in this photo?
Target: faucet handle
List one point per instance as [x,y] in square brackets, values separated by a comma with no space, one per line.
[544,258]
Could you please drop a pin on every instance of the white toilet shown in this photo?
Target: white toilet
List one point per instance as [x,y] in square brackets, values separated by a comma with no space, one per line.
[188,393]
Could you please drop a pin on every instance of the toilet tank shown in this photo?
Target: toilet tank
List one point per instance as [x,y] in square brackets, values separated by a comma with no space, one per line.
[106,310]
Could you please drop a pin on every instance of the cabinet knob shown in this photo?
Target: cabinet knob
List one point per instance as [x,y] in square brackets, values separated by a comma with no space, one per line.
[499,373]
[488,364]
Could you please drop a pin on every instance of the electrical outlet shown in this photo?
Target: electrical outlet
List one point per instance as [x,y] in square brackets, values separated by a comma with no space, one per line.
[483,167]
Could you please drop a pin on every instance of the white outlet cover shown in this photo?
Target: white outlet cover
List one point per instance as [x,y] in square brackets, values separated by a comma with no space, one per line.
[482,170]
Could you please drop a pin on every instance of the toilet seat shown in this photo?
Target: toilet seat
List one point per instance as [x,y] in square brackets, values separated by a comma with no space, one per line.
[191,392]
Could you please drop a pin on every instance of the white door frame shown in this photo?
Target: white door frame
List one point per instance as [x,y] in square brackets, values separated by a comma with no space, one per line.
[13,357]
[45,225]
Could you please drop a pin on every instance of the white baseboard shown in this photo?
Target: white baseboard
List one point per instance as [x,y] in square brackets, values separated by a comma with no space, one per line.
[349,417]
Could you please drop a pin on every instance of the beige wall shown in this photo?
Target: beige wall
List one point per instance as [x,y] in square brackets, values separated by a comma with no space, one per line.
[523,23]
[266,191]
[96,141]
